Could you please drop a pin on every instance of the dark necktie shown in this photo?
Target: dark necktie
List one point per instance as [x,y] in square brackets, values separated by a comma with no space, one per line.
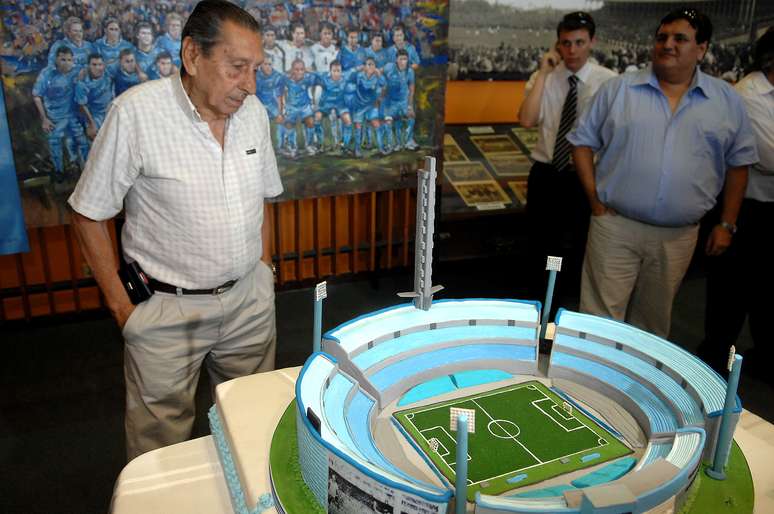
[562,147]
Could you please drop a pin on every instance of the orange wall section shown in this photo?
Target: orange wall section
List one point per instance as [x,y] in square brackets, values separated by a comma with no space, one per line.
[483,102]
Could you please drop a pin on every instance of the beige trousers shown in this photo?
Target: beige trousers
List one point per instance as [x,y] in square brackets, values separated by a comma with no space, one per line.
[632,271]
[169,337]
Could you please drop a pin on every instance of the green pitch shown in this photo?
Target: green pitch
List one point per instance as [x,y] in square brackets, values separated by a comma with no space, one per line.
[524,434]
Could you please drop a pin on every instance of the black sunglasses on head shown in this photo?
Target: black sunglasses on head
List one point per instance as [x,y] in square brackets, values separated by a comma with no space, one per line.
[578,17]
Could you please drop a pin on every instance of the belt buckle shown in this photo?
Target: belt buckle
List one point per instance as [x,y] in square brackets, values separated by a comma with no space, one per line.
[224,287]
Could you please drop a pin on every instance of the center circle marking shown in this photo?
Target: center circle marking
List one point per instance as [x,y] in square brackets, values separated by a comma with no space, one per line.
[503,429]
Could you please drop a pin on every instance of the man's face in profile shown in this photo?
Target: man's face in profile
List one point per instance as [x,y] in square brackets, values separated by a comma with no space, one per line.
[227,75]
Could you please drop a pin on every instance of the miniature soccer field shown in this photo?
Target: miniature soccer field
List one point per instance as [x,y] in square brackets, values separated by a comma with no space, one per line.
[524,434]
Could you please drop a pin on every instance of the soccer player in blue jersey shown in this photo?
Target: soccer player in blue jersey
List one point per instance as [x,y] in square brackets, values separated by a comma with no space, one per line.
[111,43]
[53,95]
[270,89]
[80,48]
[398,105]
[163,67]
[333,105]
[380,55]
[400,43]
[170,41]
[298,107]
[369,90]
[125,73]
[377,51]
[352,55]
[94,93]
[146,52]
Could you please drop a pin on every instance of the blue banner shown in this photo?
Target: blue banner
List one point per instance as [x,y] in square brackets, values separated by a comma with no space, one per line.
[13,236]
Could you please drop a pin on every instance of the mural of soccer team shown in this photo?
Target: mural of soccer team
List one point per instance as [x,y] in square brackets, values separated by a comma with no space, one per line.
[360,95]
[338,99]
[73,92]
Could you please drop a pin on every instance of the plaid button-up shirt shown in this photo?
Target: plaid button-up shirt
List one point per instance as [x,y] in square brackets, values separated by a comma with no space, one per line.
[194,210]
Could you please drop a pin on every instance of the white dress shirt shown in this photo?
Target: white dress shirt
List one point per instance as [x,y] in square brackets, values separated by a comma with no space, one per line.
[758,96]
[194,210]
[555,89]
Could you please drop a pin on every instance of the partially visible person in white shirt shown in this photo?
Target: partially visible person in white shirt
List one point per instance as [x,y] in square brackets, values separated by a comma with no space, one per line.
[557,208]
[296,48]
[190,159]
[270,47]
[740,281]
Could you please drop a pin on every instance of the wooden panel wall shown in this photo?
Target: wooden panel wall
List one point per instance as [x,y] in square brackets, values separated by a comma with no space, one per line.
[312,239]
[483,101]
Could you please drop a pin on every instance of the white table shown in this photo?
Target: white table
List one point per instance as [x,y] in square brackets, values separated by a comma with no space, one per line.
[187,478]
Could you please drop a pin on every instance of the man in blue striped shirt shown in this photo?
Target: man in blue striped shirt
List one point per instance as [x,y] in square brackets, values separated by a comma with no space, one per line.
[668,140]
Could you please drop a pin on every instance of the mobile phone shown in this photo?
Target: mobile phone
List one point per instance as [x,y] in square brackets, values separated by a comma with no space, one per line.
[135,282]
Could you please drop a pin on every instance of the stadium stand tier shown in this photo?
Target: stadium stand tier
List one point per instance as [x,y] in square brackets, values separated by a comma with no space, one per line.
[699,381]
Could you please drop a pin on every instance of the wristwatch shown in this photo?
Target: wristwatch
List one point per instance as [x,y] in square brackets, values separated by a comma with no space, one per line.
[729,226]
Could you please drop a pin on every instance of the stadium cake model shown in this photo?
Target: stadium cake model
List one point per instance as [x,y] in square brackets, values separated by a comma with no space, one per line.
[614,420]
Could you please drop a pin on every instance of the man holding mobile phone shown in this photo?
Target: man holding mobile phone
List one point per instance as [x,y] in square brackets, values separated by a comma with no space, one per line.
[557,208]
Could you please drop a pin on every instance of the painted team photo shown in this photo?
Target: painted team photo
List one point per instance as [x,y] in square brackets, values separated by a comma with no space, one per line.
[350,88]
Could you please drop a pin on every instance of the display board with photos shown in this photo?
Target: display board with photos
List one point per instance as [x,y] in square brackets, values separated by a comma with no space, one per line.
[485,168]
[350,87]
[506,40]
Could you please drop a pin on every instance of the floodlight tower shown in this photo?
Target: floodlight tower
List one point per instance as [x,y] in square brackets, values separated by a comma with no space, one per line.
[320,293]
[725,435]
[423,242]
[553,266]
[462,421]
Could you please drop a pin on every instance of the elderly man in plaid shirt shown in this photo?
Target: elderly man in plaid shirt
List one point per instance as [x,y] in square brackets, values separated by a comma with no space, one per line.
[189,158]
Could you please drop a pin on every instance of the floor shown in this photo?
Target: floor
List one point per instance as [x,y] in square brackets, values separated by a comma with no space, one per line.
[61,420]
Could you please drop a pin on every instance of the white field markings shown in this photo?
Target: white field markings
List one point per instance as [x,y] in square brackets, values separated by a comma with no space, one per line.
[410,416]
[562,412]
[476,397]
[536,404]
[427,441]
[513,438]
[539,463]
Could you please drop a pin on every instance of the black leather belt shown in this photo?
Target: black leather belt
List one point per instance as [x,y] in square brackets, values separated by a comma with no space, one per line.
[168,288]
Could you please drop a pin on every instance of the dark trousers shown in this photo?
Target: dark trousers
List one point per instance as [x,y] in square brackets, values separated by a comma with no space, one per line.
[558,224]
[740,283]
